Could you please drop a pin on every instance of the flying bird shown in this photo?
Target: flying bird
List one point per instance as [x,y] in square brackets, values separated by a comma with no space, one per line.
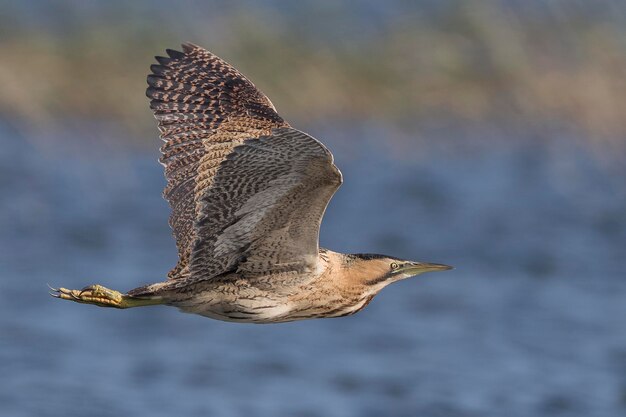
[247,193]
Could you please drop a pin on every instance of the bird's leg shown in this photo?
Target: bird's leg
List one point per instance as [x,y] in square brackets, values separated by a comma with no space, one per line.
[104,297]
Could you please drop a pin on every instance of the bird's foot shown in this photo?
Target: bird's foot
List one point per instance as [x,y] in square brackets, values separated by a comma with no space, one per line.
[93,294]
[104,297]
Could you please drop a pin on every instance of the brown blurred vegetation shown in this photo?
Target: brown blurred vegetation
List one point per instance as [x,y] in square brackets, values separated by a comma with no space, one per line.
[401,64]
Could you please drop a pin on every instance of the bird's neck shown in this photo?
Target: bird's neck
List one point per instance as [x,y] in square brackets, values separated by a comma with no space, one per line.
[348,275]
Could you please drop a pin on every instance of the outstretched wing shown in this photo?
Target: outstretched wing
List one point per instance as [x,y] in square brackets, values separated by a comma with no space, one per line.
[246,191]
[262,213]
[204,108]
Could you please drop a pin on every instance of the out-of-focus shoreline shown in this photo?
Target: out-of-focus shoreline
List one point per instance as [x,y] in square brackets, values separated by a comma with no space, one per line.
[478,64]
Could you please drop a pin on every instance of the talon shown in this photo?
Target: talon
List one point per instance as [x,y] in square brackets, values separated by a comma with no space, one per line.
[52,288]
[87,288]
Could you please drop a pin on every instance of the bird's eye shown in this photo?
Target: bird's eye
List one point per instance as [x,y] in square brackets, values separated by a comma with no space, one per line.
[394,265]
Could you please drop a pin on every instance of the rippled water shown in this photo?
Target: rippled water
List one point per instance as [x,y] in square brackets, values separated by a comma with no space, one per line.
[530,323]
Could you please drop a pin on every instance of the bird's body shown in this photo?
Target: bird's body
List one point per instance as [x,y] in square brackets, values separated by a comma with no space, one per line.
[247,193]
[326,292]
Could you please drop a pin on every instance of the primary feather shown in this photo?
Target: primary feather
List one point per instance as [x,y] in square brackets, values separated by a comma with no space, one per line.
[247,192]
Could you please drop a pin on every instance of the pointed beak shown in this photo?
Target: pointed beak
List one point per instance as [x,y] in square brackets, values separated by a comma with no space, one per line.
[415,268]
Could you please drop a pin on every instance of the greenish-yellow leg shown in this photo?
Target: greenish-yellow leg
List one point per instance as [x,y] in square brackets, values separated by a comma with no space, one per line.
[104,297]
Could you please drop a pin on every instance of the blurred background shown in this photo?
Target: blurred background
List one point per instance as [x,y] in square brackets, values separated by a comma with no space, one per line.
[489,135]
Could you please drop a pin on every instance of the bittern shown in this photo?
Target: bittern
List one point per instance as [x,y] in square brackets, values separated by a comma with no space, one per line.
[247,193]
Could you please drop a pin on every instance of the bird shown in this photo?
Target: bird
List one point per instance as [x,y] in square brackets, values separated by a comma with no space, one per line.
[247,194]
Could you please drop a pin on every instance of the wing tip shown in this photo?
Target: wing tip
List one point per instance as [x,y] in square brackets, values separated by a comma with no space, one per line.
[163,60]
[189,47]
[174,54]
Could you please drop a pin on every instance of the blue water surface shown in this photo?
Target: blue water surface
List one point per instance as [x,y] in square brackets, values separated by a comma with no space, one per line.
[530,323]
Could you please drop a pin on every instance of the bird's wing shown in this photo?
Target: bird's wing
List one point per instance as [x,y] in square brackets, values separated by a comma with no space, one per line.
[246,191]
[204,108]
[262,213]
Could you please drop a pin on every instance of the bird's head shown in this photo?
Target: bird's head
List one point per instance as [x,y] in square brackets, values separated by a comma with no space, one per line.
[381,270]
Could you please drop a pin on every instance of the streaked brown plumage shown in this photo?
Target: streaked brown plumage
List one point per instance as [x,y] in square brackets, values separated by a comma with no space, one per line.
[247,193]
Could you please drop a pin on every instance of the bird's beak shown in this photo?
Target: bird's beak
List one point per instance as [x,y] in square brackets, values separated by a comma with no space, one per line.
[415,268]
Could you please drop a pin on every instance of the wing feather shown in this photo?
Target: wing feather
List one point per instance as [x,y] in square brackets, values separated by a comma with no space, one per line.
[204,108]
[263,211]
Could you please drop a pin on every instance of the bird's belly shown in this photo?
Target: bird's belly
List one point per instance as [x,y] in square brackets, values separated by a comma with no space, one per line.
[244,303]
[267,314]
[242,310]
